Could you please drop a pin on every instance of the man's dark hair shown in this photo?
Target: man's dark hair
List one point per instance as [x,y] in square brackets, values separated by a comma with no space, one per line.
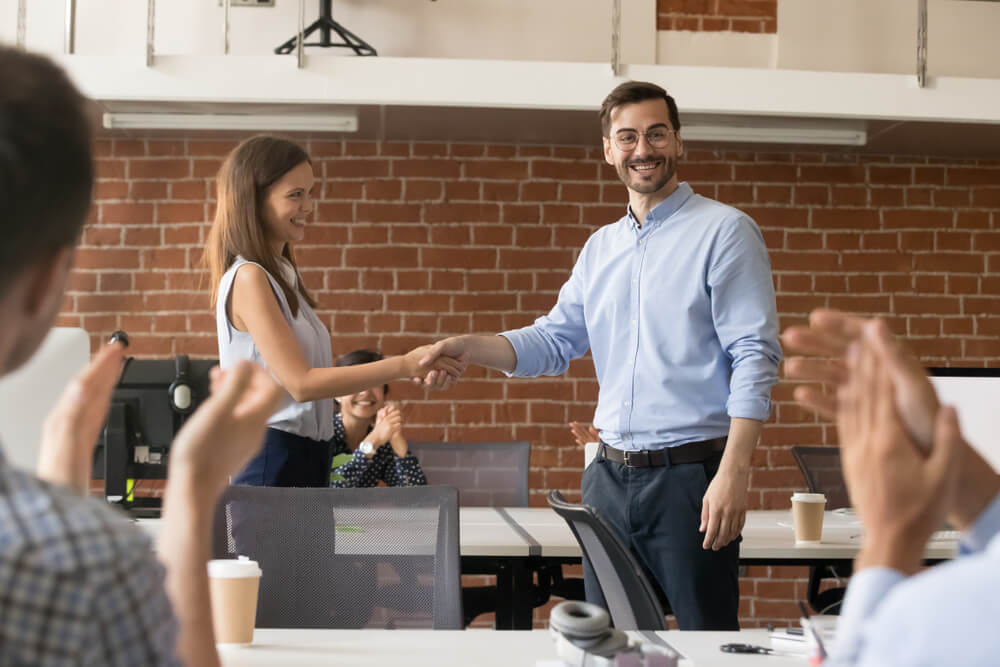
[46,165]
[631,92]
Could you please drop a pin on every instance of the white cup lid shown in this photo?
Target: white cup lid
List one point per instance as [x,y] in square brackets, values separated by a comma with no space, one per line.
[809,497]
[233,568]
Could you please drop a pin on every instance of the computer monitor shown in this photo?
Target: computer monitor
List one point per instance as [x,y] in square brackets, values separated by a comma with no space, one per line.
[142,422]
[975,393]
[29,393]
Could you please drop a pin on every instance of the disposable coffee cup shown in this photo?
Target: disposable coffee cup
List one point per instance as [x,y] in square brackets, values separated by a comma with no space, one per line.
[233,585]
[807,515]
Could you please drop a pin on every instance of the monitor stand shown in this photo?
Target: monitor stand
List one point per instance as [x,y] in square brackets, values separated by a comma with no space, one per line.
[326,25]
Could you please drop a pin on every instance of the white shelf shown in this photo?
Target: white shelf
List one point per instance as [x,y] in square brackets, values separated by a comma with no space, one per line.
[326,80]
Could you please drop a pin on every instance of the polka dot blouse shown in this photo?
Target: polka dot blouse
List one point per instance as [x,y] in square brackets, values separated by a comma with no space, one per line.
[361,471]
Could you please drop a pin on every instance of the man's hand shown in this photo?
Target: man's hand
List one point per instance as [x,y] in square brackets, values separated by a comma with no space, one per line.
[226,431]
[584,433]
[71,429]
[453,349]
[724,508]
[435,366]
[900,495]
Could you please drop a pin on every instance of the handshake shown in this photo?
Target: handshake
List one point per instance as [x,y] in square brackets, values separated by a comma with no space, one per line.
[441,364]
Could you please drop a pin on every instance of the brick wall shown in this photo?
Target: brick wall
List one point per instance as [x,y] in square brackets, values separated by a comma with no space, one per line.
[717,15]
[412,242]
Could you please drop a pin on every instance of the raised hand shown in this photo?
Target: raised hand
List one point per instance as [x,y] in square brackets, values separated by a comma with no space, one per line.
[584,433]
[227,430]
[900,493]
[828,335]
[71,429]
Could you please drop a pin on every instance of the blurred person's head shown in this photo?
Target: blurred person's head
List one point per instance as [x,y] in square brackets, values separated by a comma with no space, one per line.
[46,184]
[362,405]
[264,200]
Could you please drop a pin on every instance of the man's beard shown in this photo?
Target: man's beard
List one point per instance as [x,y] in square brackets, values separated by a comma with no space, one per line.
[632,180]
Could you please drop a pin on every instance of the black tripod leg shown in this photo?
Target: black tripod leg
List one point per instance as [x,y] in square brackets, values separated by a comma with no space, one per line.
[289,46]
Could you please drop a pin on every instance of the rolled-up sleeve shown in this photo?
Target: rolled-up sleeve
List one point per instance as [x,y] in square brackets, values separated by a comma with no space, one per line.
[745,317]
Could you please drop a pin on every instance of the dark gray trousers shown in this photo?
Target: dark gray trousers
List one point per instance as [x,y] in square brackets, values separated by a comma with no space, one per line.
[656,513]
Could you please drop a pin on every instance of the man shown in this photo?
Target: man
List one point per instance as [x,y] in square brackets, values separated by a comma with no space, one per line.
[907,469]
[676,303]
[79,584]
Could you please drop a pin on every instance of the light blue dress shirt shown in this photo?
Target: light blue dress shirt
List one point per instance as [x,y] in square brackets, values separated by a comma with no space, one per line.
[679,315]
[948,615]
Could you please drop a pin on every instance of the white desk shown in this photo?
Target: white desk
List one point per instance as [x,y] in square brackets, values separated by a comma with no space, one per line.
[471,648]
[490,544]
[767,536]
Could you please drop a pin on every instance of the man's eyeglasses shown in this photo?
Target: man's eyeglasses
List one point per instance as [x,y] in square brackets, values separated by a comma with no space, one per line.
[657,137]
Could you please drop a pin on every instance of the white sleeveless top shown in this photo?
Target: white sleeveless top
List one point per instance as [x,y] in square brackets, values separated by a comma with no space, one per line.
[313,419]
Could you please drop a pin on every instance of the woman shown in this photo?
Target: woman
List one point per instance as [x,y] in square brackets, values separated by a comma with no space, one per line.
[265,313]
[368,442]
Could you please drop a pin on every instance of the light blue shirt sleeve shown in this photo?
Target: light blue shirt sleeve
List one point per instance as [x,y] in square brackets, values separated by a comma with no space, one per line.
[547,346]
[743,303]
[943,616]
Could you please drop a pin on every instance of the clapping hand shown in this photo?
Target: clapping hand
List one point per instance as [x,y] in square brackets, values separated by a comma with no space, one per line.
[71,429]
[226,431]
[900,490]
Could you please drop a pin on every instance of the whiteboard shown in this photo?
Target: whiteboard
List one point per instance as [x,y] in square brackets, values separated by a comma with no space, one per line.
[975,393]
[27,394]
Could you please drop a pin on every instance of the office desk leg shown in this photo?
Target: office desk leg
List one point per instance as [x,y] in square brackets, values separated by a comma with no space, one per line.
[523,598]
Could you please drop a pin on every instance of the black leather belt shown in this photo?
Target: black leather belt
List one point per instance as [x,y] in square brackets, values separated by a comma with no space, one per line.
[692,452]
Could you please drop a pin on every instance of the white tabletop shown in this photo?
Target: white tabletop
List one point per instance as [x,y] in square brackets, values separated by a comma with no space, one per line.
[767,535]
[481,648]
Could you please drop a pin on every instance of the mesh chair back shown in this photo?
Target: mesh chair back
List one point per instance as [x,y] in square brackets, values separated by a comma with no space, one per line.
[347,558]
[486,474]
[821,468]
[630,596]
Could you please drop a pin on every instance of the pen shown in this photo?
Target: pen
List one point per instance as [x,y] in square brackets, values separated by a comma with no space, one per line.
[808,627]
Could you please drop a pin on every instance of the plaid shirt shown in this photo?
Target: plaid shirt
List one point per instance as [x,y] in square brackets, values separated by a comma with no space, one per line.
[78,584]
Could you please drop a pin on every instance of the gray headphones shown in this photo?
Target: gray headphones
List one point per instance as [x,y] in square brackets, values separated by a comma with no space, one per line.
[584,638]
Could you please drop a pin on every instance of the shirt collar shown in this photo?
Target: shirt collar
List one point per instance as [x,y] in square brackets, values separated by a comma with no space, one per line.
[663,210]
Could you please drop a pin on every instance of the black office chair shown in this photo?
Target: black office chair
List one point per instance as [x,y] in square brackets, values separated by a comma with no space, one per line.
[347,558]
[631,598]
[486,474]
[822,471]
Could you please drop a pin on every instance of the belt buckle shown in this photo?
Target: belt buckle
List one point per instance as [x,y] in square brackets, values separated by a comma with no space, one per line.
[636,459]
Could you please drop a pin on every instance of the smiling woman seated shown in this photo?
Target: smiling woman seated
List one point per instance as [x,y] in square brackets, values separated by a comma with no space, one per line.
[368,442]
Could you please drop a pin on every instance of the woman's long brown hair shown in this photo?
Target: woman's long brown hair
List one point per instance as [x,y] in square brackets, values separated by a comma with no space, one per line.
[243,182]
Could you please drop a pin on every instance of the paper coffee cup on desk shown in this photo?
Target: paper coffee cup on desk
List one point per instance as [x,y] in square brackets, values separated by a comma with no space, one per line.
[807,515]
[233,585]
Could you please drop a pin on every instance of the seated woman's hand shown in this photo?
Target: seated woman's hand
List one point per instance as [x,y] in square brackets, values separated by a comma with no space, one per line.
[388,422]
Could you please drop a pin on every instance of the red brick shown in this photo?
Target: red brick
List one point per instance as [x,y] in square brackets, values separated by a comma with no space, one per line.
[570,171]
[361,168]
[159,168]
[497,169]
[844,218]
[429,168]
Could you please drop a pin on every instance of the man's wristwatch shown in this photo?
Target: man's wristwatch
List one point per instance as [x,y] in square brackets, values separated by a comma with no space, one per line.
[366,448]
